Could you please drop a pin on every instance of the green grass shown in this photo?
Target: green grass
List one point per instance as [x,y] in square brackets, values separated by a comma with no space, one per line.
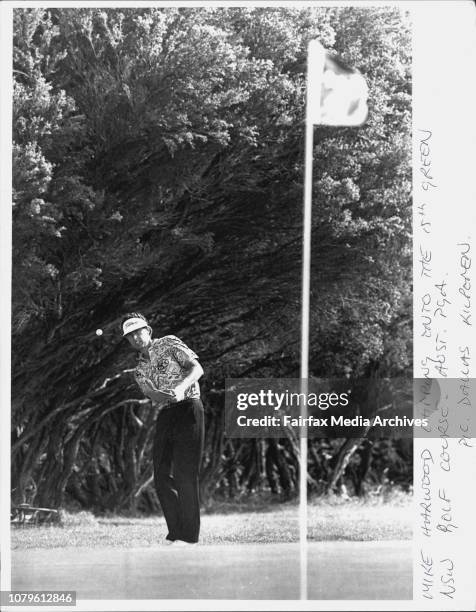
[357,520]
[329,519]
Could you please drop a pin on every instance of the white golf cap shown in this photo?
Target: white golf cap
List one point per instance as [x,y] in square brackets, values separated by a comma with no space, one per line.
[132,324]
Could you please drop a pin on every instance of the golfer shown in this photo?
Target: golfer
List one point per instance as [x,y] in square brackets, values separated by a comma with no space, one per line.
[167,371]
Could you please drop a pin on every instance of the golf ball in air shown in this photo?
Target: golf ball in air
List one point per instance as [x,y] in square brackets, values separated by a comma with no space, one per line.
[99,332]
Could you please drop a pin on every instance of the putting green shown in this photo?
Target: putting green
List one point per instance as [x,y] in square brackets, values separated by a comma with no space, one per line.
[336,570]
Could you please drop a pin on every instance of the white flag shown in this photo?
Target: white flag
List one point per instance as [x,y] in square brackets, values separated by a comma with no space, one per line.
[337,94]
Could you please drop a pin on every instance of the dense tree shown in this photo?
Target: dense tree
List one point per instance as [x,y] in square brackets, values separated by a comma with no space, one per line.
[158,166]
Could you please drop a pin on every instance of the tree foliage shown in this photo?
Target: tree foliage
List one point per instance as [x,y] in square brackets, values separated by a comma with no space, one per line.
[158,166]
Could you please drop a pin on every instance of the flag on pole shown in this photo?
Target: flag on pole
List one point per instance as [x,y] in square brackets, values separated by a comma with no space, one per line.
[337,94]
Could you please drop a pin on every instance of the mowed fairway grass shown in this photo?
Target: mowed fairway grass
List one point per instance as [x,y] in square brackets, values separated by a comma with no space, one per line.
[328,519]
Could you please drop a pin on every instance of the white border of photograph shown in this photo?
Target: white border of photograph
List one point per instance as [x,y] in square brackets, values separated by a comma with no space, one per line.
[444,132]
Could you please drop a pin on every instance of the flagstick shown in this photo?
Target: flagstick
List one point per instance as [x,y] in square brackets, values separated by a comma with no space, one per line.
[316,114]
[315,69]
[306,282]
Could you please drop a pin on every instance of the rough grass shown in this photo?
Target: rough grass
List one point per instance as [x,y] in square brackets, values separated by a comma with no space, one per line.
[376,518]
[330,518]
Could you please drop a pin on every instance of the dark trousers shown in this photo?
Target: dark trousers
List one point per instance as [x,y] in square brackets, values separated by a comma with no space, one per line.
[177,452]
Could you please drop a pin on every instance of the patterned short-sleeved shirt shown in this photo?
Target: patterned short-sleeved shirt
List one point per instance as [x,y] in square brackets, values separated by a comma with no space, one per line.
[166,367]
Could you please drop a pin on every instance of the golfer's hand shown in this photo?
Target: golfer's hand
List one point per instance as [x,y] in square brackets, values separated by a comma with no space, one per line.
[158,396]
[179,393]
